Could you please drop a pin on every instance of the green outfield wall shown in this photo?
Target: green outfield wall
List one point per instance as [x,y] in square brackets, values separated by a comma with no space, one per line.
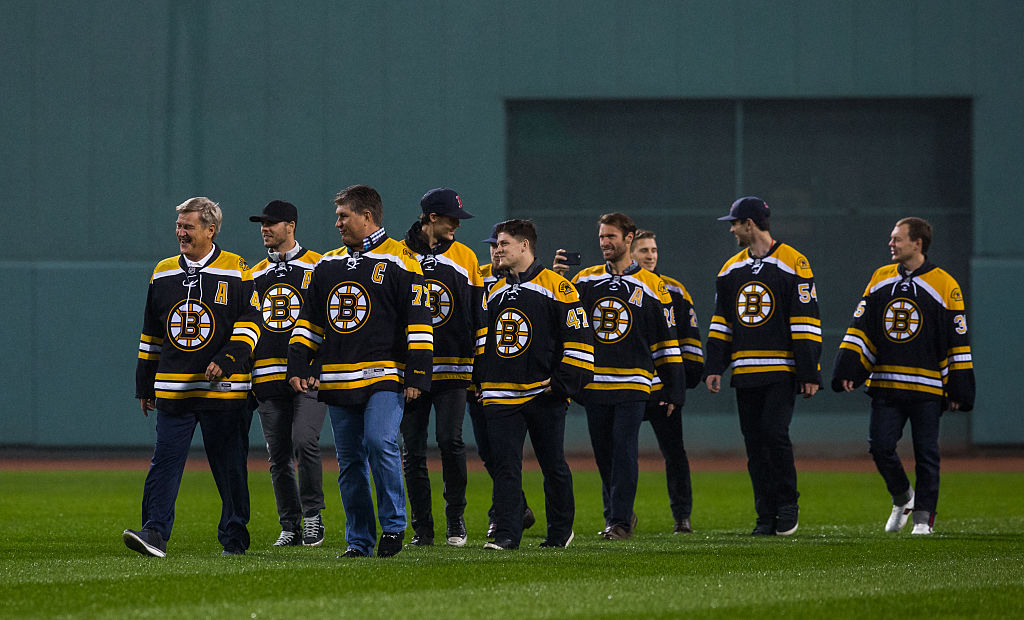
[844,115]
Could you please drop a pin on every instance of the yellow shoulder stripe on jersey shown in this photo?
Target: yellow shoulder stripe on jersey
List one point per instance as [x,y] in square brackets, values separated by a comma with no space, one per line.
[946,287]
[794,260]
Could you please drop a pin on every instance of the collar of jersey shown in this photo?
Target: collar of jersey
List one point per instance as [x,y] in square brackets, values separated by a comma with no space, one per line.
[206,260]
[525,276]
[632,268]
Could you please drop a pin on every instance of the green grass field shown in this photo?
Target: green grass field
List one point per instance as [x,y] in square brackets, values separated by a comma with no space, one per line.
[61,555]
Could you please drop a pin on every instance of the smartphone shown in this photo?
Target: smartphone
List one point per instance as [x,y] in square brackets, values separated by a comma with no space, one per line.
[572,258]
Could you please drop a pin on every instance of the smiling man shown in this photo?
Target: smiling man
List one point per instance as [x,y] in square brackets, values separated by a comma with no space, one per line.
[452,274]
[908,343]
[766,328]
[198,332]
[366,321]
[291,420]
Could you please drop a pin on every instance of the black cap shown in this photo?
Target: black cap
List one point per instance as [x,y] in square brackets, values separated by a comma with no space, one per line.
[748,207]
[277,211]
[444,201]
[494,234]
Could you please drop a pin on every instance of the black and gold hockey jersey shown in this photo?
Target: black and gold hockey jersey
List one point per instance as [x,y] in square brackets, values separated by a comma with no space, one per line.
[280,287]
[194,316]
[452,275]
[634,338]
[366,319]
[766,324]
[908,338]
[537,329]
[684,317]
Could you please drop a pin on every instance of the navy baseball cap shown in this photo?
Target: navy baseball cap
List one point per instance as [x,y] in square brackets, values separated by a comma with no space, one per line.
[494,234]
[277,211]
[444,201]
[748,207]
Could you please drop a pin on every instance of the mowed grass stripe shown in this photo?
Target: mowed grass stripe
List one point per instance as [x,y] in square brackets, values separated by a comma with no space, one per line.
[61,555]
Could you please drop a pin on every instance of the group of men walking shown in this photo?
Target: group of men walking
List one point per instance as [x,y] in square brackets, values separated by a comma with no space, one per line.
[378,332]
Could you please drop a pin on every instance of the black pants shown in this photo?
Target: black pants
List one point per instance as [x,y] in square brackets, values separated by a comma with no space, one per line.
[543,418]
[765,414]
[291,426]
[483,447]
[614,431]
[450,410]
[226,439]
[888,417]
[669,432]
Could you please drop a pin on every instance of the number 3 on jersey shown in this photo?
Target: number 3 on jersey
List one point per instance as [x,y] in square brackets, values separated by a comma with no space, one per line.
[577,318]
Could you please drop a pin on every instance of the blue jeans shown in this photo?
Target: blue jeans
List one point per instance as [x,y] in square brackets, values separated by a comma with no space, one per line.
[226,439]
[888,417]
[614,432]
[366,439]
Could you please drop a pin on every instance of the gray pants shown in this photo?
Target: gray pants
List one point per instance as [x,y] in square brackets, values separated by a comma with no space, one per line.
[292,426]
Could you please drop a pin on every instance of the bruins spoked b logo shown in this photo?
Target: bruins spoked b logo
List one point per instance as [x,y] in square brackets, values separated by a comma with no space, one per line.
[190,325]
[754,304]
[512,333]
[901,320]
[280,307]
[611,319]
[348,307]
[440,303]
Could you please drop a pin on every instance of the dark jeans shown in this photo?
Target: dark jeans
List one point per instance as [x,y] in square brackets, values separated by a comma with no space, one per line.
[669,432]
[291,426]
[450,410]
[888,417]
[614,430]
[543,418]
[765,414]
[226,439]
[483,446]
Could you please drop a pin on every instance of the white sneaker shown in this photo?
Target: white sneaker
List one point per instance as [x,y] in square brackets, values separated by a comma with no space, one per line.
[922,528]
[899,515]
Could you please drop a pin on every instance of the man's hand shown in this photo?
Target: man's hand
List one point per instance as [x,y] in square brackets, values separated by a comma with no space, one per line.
[808,389]
[713,383]
[412,394]
[558,265]
[847,385]
[147,405]
[954,406]
[300,384]
[213,372]
[669,408]
[547,385]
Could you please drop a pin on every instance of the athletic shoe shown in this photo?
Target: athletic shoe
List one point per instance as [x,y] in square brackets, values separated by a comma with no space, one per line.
[456,533]
[618,532]
[228,551]
[146,542]
[502,544]
[288,538]
[312,531]
[682,527]
[390,544]
[921,528]
[528,518]
[492,529]
[900,514]
[548,543]
[352,552]
[422,540]
[788,520]
[764,527]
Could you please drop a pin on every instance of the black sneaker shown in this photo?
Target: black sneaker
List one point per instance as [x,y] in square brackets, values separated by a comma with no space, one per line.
[422,540]
[352,552]
[289,538]
[456,533]
[528,518]
[788,521]
[765,527]
[146,542]
[502,544]
[233,551]
[390,544]
[312,531]
[563,544]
